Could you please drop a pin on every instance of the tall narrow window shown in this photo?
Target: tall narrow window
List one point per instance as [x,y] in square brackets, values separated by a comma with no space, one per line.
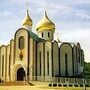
[66,69]
[79,55]
[42,34]
[21,42]
[2,65]
[40,61]
[47,62]
[9,65]
[48,34]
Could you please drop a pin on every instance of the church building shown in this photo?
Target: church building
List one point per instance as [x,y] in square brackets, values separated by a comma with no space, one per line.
[31,56]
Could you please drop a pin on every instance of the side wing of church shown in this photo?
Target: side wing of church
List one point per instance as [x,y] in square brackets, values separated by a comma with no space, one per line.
[39,57]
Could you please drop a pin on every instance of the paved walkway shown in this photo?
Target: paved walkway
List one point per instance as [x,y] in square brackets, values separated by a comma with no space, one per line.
[38,88]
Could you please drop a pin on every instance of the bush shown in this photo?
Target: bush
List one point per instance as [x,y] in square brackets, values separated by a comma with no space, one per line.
[54,85]
[81,85]
[76,85]
[65,85]
[59,85]
[87,85]
[70,85]
[50,85]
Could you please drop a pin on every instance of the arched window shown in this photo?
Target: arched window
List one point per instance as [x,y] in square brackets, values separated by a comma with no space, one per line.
[9,65]
[48,62]
[48,34]
[66,70]
[40,61]
[79,55]
[2,65]
[42,34]
[21,42]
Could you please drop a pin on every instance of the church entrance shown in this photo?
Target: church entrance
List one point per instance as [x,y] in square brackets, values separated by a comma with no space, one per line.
[20,74]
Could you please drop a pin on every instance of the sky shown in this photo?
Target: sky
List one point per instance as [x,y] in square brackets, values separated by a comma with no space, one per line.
[71,17]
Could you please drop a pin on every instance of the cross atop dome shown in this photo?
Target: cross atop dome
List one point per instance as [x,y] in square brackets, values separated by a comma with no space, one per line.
[27,22]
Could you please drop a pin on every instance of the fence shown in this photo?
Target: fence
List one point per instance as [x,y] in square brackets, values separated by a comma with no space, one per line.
[62,80]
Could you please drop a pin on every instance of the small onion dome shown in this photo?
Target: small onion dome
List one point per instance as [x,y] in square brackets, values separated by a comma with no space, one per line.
[45,24]
[27,20]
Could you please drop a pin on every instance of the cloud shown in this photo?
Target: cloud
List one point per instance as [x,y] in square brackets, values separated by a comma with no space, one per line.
[16,1]
[5,14]
[64,10]
[82,1]
[83,16]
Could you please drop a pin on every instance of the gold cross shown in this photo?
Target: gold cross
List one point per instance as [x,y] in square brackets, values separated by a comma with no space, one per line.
[27,5]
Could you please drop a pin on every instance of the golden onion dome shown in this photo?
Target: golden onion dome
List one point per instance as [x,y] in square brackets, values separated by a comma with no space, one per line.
[45,24]
[27,20]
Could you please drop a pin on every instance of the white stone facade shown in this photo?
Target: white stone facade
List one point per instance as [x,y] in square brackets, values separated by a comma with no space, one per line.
[38,57]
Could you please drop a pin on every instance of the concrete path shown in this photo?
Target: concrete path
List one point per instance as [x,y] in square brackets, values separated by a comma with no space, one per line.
[38,88]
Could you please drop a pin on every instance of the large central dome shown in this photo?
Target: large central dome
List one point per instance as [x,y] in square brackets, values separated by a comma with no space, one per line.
[45,24]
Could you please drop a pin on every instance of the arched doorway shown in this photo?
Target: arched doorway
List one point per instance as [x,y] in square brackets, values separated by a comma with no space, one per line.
[20,74]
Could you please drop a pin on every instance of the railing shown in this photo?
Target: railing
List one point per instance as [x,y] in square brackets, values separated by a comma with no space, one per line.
[60,80]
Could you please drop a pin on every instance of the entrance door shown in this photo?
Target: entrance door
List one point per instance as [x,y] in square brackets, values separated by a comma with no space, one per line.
[20,74]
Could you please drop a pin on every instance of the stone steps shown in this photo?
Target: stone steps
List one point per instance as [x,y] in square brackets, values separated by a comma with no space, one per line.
[16,83]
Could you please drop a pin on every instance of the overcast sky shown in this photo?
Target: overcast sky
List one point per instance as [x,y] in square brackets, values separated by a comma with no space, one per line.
[72,19]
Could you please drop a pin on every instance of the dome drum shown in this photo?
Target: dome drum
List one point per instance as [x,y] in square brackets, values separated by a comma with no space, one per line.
[46,35]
